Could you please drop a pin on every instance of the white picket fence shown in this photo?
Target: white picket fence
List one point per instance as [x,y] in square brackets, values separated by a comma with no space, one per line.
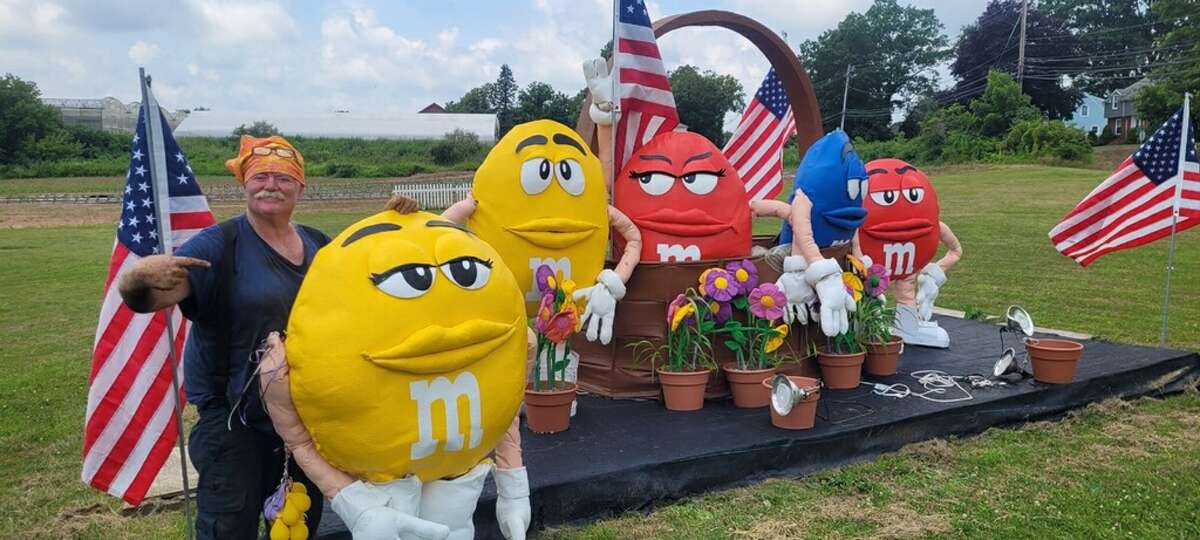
[434,195]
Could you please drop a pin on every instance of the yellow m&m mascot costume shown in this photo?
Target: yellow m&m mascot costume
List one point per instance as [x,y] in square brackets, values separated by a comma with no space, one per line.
[404,368]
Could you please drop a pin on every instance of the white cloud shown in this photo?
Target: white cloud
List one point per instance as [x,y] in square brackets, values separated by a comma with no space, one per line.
[238,22]
[30,19]
[142,53]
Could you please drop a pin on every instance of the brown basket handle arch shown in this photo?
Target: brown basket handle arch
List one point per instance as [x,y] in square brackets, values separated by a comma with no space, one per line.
[787,66]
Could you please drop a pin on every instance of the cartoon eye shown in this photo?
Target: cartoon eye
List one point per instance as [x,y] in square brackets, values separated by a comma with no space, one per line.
[865,191]
[852,187]
[914,195]
[655,183]
[535,175]
[570,176]
[885,198]
[468,272]
[700,183]
[405,281]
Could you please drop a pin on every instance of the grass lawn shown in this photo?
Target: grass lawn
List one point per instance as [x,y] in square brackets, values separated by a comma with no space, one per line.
[1115,470]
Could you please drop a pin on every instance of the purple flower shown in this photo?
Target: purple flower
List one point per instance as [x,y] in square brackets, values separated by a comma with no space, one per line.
[544,313]
[720,285]
[767,302]
[744,273]
[544,276]
[877,280]
[720,311]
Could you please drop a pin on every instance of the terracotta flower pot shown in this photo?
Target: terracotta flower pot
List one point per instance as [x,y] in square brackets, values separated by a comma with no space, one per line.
[1053,360]
[841,371]
[746,385]
[549,411]
[683,390]
[803,414]
[883,358]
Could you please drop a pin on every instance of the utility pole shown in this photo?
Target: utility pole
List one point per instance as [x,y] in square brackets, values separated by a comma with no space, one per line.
[1021,47]
[845,94]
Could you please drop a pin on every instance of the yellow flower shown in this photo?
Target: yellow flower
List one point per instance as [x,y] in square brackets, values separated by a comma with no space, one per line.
[568,288]
[776,340]
[856,265]
[681,314]
[853,284]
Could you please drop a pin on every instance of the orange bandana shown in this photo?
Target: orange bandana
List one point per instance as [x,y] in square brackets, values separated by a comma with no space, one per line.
[267,158]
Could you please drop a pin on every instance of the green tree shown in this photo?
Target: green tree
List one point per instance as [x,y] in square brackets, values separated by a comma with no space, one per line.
[893,49]
[703,98]
[260,128]
[539,100]
[1001,105]
[24,119]
[991,42]
[1116,34]
[504,98]
[1178,62]
[1155,102]
[477,100]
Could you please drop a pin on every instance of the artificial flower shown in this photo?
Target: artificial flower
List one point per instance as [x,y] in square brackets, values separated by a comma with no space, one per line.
[562,324]
[704,279]
[744,273]
[544,312]
[684,311]
[720,285]
[856,265]
[675,304]
[776,340]
[568,289]
[720,311]
[767,301]
[877,280]
[544,276]
[854,286]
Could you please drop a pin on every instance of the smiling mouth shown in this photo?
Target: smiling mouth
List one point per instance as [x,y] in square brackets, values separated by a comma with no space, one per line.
[554,233]
[691,222]
[902,230]
[847,218]
[438,349]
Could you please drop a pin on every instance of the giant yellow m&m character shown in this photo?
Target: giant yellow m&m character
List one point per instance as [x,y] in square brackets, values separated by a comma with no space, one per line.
[406,347]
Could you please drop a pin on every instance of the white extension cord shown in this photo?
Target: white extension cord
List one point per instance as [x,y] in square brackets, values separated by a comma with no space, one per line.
[935,382]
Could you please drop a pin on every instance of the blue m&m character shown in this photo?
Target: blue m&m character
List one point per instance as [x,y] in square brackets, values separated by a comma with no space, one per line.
[832,177]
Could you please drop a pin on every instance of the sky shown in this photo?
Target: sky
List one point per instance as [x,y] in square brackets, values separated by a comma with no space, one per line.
[281,55]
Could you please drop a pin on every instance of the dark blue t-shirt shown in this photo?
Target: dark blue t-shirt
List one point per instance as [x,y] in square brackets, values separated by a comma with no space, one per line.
[261,295]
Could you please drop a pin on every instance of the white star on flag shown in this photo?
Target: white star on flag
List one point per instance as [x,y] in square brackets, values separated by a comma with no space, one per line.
[179,157]
[137,154]
[141,171]
[137,237]
[143,187]
[183,179]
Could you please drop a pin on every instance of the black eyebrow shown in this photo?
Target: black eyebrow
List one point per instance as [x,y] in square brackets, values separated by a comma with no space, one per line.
[655,157]
[533,139]
[905,169]
[369,230]
[563,139]
[450,224]
[697,157]
[876,171]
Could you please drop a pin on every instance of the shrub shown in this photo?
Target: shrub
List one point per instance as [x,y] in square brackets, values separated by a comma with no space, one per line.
[260,128]
[342,170]
[1053,139]
[1106,136]
[457,146]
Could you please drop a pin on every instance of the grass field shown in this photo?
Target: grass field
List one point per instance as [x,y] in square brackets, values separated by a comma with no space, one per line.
[1118,470]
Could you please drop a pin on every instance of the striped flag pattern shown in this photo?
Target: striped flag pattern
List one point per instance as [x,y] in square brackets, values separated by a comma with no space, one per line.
[1134,206]
[647,105]
[756,148]
[130,424]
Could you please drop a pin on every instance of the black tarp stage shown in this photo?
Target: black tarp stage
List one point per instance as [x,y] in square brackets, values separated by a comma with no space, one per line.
[623,455]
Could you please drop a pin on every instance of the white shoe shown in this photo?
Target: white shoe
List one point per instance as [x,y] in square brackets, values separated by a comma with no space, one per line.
[914,331]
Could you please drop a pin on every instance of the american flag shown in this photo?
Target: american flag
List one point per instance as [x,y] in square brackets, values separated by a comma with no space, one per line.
[647,105]
[130,424]
[756,148]
[1134,206]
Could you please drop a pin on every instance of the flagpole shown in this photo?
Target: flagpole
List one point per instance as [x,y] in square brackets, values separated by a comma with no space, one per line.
[615,80]
[1183,142]
[158,176]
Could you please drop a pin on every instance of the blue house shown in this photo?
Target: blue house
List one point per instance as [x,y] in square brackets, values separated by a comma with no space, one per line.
[1089,115]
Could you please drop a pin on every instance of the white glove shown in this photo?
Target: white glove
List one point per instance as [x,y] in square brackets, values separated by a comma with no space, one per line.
[601,307]
[929,283]
[867,261]
[512,502]
[599,83]
[836,304]
[798,292]
[364,509]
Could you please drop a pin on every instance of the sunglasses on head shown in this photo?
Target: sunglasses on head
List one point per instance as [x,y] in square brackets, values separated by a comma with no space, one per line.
[281,152]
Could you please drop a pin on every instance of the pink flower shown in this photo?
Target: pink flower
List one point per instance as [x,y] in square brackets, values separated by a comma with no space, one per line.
[544,312]
[561,325]
[767,302]
[675,304]
[877,280]
[720,285]
[744,273]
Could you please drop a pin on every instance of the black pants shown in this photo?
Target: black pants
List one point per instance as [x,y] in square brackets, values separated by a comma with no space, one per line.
[239,469]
